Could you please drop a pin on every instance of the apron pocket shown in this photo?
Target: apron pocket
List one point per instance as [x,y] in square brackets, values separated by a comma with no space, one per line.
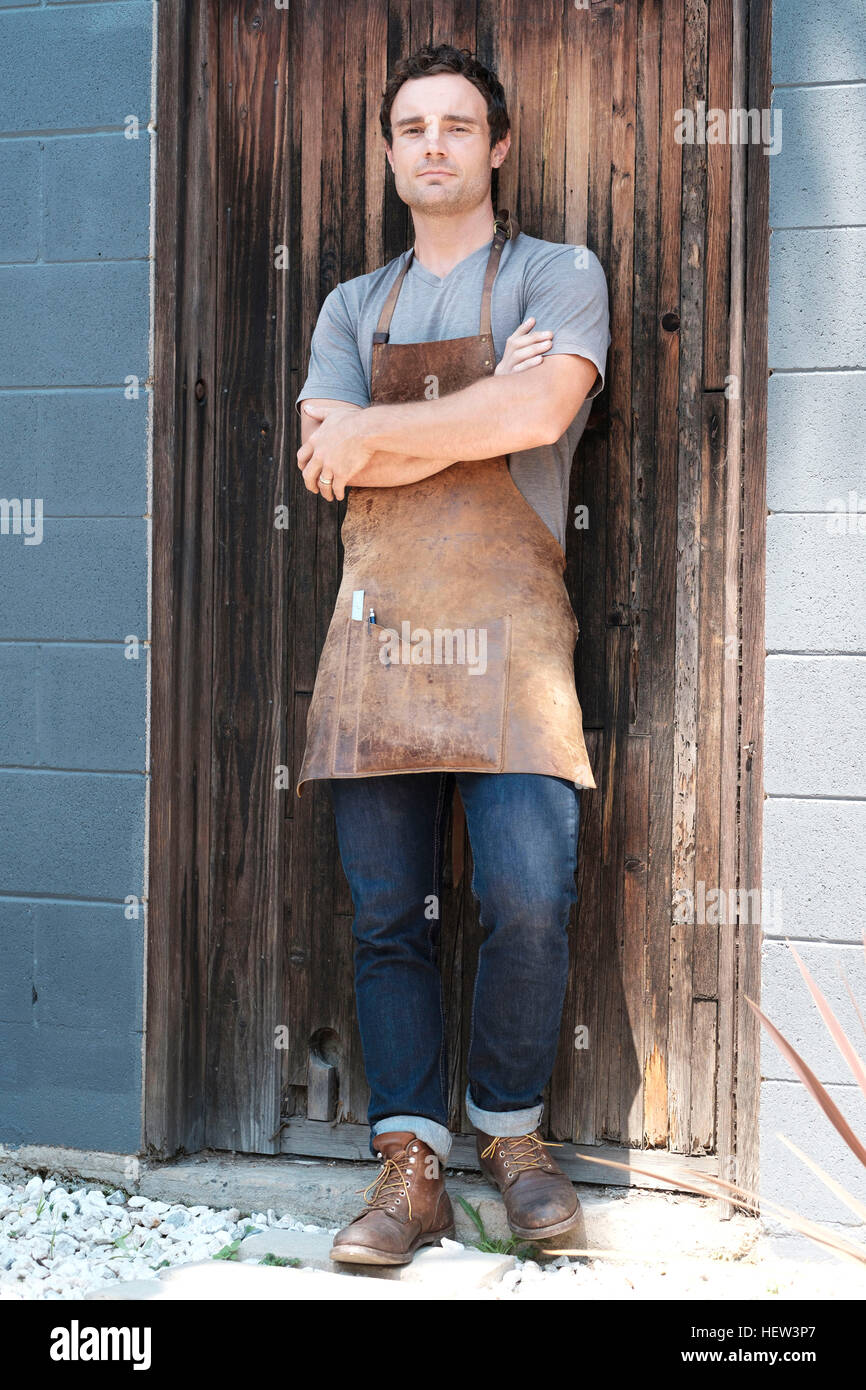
[396,715]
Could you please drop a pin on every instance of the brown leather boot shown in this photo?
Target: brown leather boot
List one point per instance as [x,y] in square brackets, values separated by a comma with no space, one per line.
[408,1206]
[540,1199]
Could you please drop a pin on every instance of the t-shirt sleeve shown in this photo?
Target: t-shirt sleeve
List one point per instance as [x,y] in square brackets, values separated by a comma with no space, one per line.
[335,371]
[567,292]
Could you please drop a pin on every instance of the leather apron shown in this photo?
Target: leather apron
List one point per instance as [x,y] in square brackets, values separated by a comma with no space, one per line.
[469,663]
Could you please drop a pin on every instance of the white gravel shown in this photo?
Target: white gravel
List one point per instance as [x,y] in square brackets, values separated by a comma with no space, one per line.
[60,1241]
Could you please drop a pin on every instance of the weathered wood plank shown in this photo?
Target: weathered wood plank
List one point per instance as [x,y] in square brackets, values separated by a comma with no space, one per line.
[687,653]
[705,967]
[718,233]
[245,1000]
[309,1138]
[663,571]
[634,937]
[185,412]
[754,523]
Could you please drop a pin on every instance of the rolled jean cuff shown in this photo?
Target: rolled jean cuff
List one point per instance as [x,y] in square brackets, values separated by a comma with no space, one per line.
[504,1122]
[437,1137]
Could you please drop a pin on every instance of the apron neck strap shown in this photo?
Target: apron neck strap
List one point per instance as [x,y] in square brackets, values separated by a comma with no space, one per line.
[505,228]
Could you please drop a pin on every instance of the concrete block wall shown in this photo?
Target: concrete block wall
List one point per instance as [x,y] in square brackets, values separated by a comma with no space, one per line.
[815,711]
[76,101]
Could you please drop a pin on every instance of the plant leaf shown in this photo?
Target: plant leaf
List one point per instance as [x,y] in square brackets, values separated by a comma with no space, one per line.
[808,1077]
[842,1193]
[837,1032]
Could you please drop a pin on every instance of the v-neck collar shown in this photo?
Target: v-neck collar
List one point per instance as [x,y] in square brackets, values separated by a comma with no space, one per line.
[437,281]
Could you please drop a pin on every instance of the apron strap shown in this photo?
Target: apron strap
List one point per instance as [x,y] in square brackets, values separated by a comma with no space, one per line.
[505,228]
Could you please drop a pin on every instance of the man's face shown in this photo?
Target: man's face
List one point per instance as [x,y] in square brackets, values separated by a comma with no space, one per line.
[441,155]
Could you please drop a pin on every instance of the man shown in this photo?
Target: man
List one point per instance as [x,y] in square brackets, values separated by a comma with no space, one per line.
[453,425]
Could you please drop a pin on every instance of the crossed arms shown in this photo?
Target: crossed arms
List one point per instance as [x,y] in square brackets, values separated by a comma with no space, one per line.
[389,445]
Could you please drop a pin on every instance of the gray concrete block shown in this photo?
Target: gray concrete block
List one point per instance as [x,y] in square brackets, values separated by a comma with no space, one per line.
[75,325]
[16,962]
[816,320]
[818,43]
[782,1243]
[76,65]
[787,1108]
[816,582]
[86,580]
[815,727]
[89,967]
[787,1002]
[73,705]
[97,197]
[83,452]
[18,709]
[87,1165]
[814,871]
[816,424]
[818,177]
[70,1086]
[20,185]
[75,834]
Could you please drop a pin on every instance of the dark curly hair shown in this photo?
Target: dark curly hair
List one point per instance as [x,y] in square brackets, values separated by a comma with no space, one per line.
[444,57]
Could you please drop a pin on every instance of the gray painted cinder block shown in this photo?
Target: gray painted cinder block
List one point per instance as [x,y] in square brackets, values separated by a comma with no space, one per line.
[819,173]
[816,312]
[97,192]
[74,1086]
[74,325]
[87,580]
[816,427]
[88,961]
[814,871]
[819,43]
[83,452]
[816,580]
[788,1003]
[788,1108]
[815,727]
[74,66]
[71,834]
[19,199]
[72,705]
[16,962]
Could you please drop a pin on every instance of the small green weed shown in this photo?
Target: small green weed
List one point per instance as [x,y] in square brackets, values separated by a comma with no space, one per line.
[271,1259]
[494,1245]
[230,1251]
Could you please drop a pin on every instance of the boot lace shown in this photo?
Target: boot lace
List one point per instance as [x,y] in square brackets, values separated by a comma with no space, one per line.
[389,1185]
[522,1152]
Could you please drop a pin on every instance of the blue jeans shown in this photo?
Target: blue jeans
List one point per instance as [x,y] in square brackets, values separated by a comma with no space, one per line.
[523,830]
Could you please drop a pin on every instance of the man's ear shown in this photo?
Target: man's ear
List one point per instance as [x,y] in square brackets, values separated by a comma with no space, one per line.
[500,150]
[389,155]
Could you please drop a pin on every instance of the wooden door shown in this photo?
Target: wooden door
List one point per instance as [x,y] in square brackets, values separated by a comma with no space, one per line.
[272,188]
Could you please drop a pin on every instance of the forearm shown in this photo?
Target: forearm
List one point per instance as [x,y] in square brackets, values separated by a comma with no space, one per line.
[393,469]
[496,415]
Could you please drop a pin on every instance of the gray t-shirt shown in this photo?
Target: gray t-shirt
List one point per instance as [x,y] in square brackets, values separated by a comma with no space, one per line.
[563,286]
